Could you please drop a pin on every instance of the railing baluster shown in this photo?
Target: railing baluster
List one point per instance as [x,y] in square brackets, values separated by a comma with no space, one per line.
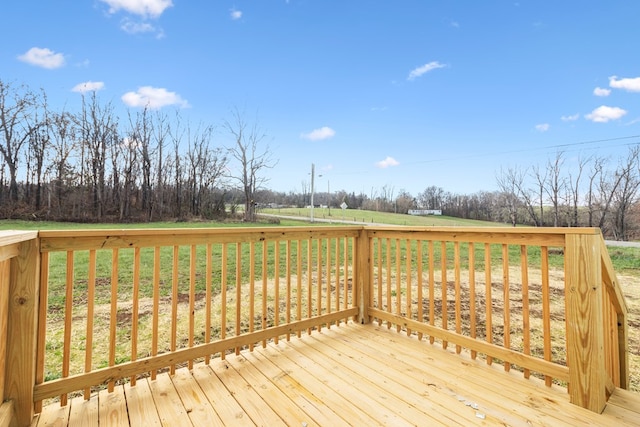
[91,296]
[238,292]
[458,308]
[276,286]
[192,299]
[68,316]
[224,264]
[174,303]
[546,308]
[443,268]
[506,312]
[135,308]
[264,290]
[288,255]
[156,305]
[309,279]
[408,262]
[319,281]
[328,278]
[337,278]
[432,292]
[252,285]
[488,298]
[398,265]
[299,283]
[346,275]
[526,323]
[419,244]
[208,296]
[42,319]
[113,320]
[472,295]
[388,268]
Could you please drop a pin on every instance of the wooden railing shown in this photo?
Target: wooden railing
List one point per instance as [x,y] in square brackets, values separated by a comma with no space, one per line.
[545,301]
[162,298]
[102,306]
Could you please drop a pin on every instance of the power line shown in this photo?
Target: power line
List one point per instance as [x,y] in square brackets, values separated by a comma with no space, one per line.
[496,153]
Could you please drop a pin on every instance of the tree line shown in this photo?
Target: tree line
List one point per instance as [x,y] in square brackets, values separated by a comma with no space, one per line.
[91,165]
[597,191]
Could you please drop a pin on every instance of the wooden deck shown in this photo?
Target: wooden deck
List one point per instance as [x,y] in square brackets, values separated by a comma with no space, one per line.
[347,375]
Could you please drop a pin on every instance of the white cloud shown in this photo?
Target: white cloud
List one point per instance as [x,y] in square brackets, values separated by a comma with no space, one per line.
[153,97]
[417,72]
[603,114]
[543,127]
[388,162]
[88,87]
[144,8]
[571,118]
[132,27]
[601,91]
[236,14]
[628,84]
[42,57]
[324,132]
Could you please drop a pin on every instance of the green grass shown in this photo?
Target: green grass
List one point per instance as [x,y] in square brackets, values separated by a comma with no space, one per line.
[625,260]
[362,216]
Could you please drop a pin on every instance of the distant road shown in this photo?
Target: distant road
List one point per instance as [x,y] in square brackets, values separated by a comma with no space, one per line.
[336,220]
[622,244]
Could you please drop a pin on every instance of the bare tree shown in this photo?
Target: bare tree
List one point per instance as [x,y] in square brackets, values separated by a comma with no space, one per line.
[574,191]
[140,135]
[607,187]
[39,143]
[625,194]
[595,172]
[404,202]
[63,133]
[18,106]
[251,157]
[176,134]
[431,198]
[205,166]
[509,192]
[98,127]
[516,178]
[555,185]
[161,133]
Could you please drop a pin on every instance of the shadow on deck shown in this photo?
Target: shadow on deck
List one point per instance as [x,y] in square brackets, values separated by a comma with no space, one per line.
[347,375]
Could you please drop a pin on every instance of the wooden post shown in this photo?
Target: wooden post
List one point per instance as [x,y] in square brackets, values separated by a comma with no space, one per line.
[363,278]
[22,330]
[585,335]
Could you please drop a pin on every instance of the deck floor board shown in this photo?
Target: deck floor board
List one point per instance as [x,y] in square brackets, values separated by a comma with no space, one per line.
[347,375]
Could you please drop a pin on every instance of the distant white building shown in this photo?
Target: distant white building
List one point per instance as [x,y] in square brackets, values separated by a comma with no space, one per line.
[424,212]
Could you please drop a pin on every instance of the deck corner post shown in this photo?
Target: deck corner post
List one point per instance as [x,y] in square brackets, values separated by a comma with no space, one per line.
[22,326]
[584,319]
[363,277]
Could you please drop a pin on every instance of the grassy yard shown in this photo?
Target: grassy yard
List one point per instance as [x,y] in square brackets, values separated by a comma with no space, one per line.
[362,216]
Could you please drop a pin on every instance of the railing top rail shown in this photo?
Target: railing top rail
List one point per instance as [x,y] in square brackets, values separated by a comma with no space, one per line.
[62,240]
[490,230]
[77,239]
[9,237]
[192,231]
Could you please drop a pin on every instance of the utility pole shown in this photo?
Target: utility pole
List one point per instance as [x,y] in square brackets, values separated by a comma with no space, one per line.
[329,196]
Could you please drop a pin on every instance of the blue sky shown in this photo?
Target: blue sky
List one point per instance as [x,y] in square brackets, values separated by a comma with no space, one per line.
[403,94]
